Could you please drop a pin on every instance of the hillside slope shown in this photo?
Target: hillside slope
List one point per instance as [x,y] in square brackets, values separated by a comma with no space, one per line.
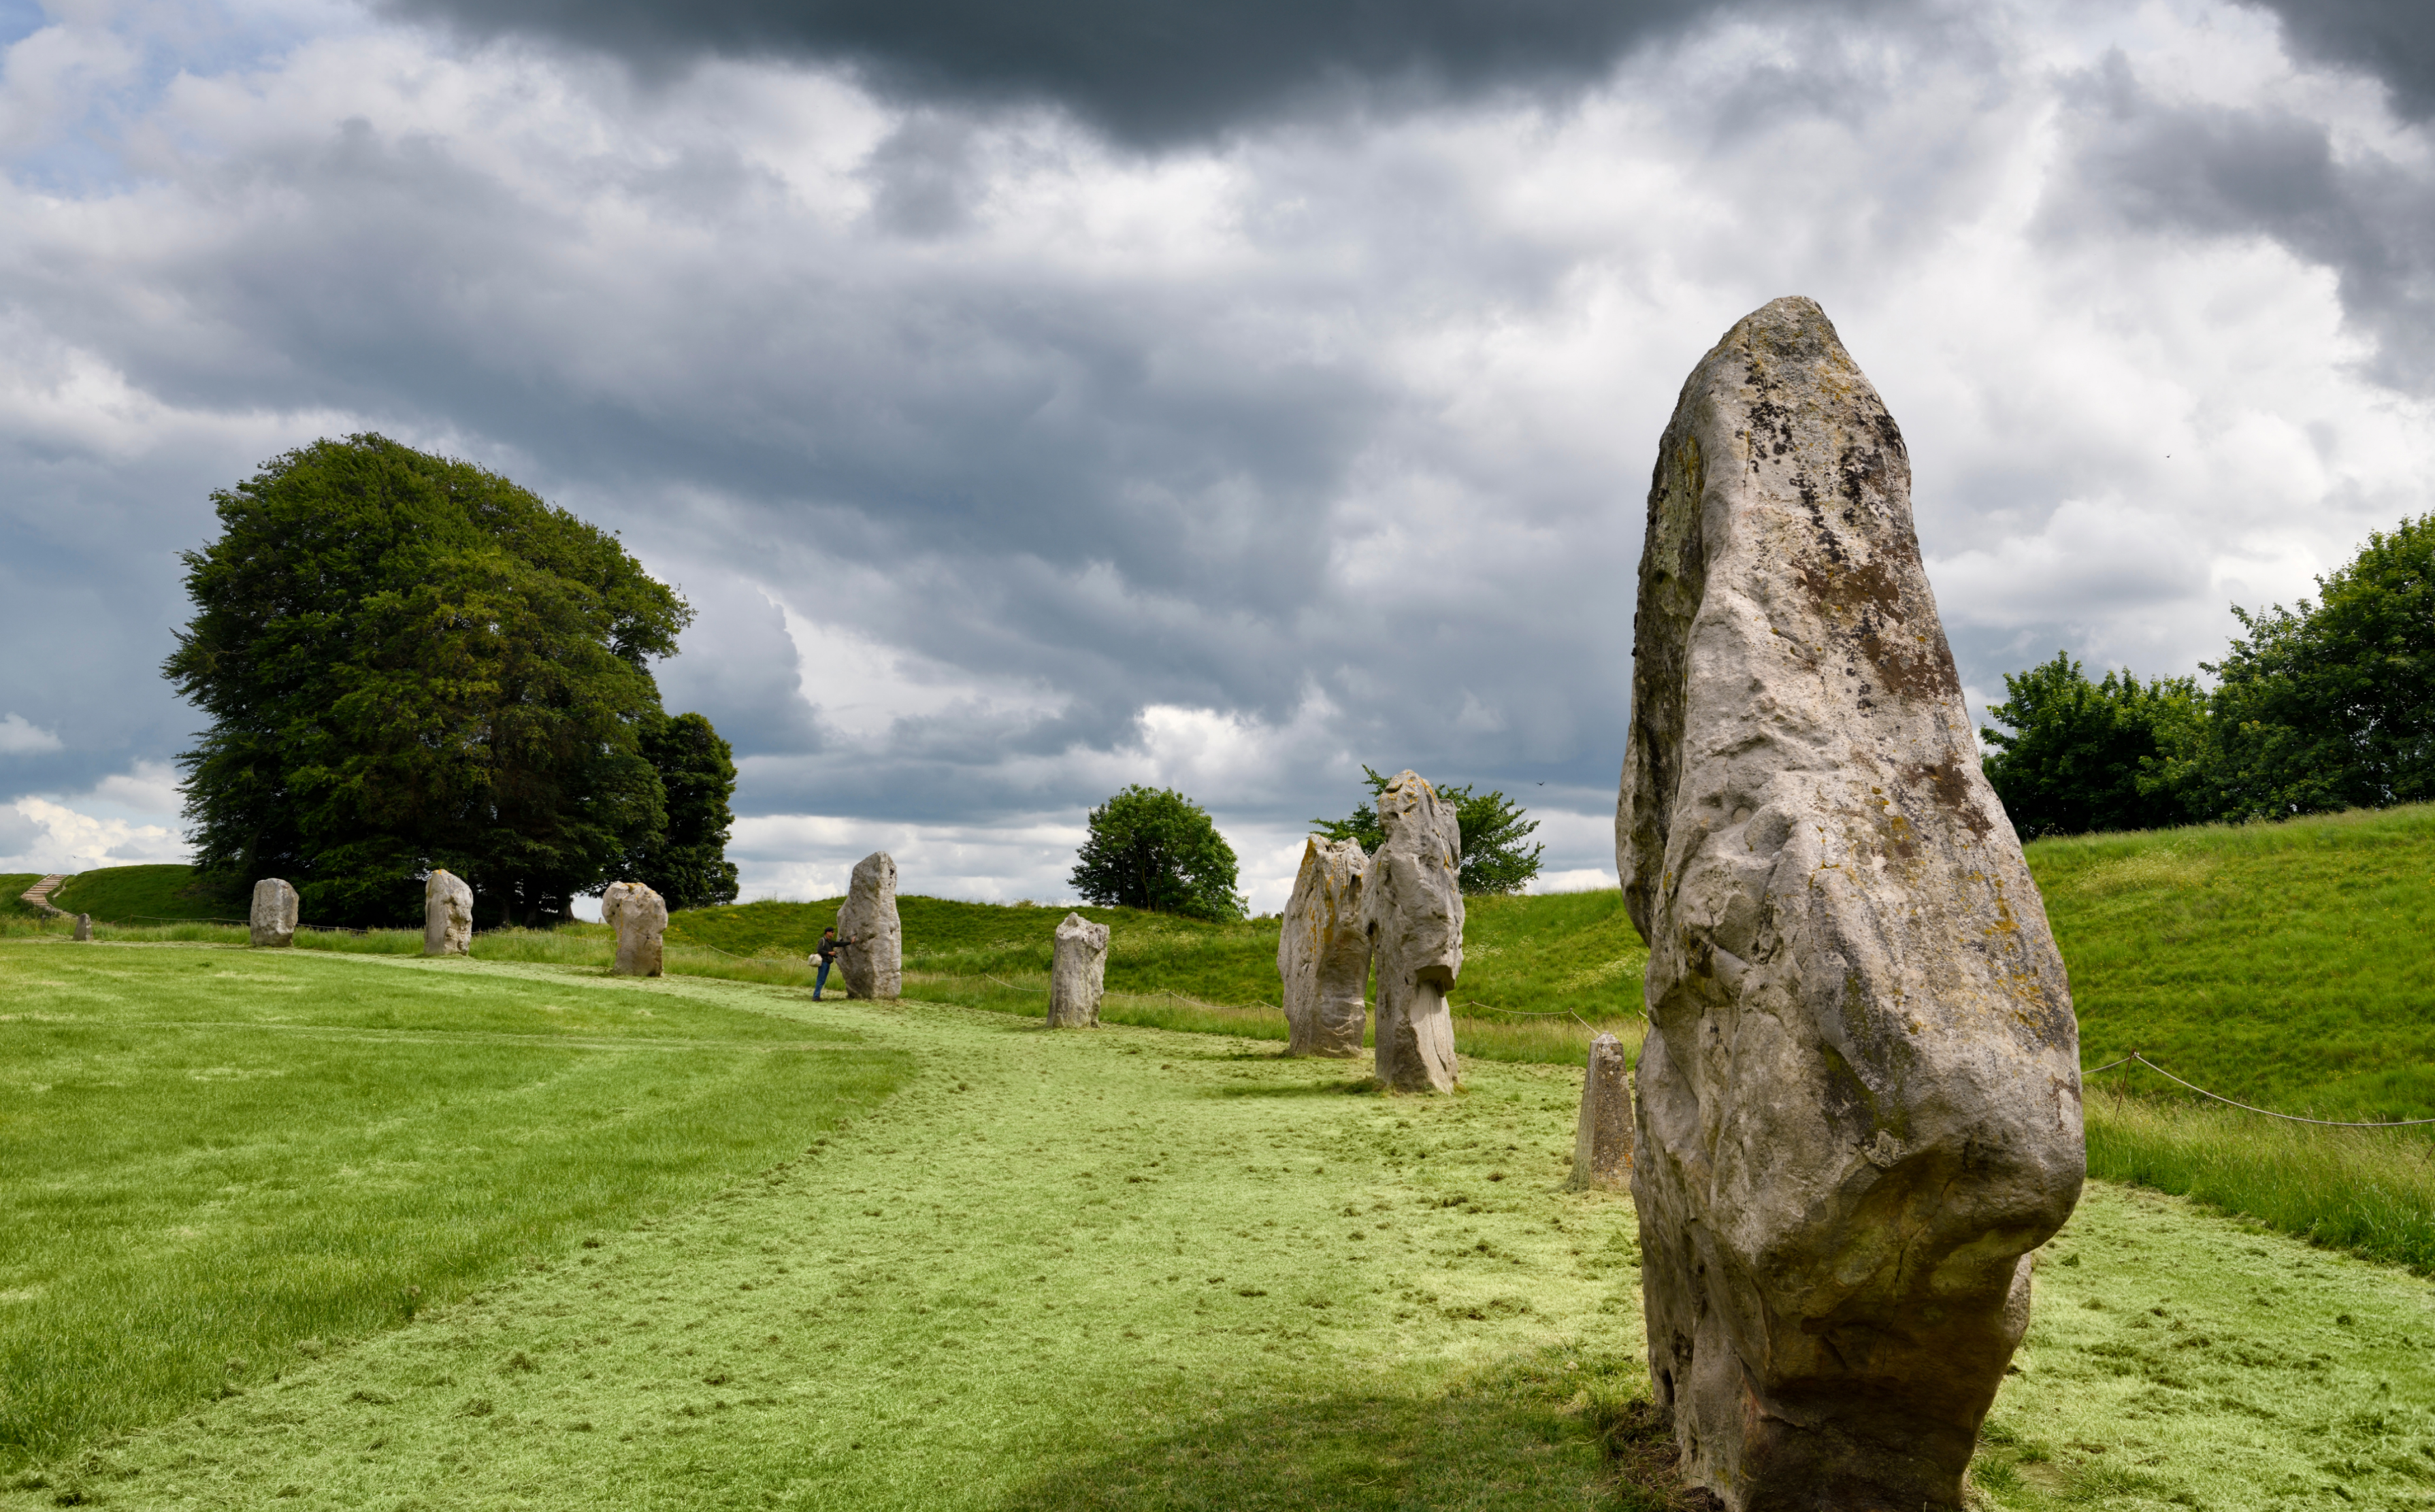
[1549,954]
[138,894]
[2292,964]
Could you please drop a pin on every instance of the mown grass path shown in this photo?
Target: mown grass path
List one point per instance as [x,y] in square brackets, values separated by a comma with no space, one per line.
[1134,1268]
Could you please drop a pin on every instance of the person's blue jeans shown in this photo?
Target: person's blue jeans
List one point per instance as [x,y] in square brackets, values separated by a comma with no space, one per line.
[820,981]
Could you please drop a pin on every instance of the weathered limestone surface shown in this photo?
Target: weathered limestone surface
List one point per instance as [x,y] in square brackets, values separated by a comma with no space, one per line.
[1323,953]
[1078,973]
[447,914]
[1411,909]
[874,962]
[273,921]
[640,916]
[1602,1138]
[84,926]
[1858,1103]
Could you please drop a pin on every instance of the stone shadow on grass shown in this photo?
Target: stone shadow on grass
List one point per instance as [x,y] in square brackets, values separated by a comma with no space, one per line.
[1556,1427]
[1365,1086]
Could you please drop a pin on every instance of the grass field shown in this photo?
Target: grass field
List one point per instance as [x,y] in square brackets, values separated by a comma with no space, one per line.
[1129,1269]
[143,893]
[213,1153]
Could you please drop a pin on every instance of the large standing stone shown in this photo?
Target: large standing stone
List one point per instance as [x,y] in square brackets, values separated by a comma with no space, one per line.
[1324,953]
[640,916]
[1078,974]
[1859,1097]
[272,923]
[1602,1138]
[1411,909]
[874,960]
[84,927]
[447,914]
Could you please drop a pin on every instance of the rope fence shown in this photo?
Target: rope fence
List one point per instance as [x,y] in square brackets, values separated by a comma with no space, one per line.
[2247,1107]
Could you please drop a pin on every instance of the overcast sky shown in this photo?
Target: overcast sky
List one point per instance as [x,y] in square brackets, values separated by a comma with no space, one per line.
[1034,400]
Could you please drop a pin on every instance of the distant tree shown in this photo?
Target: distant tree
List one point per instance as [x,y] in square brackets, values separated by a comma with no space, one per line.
[411,663]
[1155,848]
[2330,705]
[1493,827]
[685,862]
[2079,756]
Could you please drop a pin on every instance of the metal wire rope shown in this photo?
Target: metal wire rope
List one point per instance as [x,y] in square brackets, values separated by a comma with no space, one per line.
[2293,1118]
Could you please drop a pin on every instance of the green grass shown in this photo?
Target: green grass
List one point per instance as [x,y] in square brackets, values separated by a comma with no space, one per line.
[1140,1269]
[1557,953]
[215,1154]
[12,894]
[2284,964]
[126,894]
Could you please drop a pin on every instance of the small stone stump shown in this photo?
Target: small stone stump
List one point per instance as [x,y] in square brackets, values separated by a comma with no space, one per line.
[1324,953]
[1602,1140]
[84,926]
[1078,975]
[640,916]
[1411,909]
[273,921]
[447,914]
[874,957]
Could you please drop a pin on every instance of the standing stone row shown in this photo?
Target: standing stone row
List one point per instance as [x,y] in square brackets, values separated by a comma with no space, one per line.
[1401,908]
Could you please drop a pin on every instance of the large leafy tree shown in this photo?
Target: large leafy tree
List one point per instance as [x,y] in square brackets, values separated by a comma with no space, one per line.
[2079,755]
[411,663]
[1493,827]
[685,862]
[1155,848]
[2330,705]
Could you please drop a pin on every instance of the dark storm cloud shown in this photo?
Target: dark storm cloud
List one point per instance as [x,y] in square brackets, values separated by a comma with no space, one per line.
[2150,165]
[2392,40]
[1149,72]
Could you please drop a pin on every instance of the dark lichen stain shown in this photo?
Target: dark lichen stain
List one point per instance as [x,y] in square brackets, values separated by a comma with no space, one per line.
[1952,789]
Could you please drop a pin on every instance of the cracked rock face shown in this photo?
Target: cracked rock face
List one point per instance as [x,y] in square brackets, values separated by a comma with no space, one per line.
[1324,953]
[1858,1103]
[447,914]
[272,920]
[1078,973]
[640,916]
[873,963]
[1411,909]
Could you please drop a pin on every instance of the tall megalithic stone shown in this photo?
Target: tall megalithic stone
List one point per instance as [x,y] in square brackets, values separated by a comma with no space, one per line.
[1602,1137]
[1323,951]
[447,914]
[1858,1103]
[1078,973]
[1411,909]
[84,927]
[874,959]
[640,917]
[271,922]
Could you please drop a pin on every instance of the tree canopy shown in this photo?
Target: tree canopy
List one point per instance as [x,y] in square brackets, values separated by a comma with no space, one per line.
[1155,848]
[685,862]
[1493,827]
[2081,755]
[2326,705]
[410,663]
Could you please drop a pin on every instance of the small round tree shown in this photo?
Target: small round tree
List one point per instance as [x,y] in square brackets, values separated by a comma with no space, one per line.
[1153,847]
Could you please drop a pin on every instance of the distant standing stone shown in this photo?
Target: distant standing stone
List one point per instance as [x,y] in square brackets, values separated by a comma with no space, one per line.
[447,914]
[640,916]
[1078,975]
[874,960]
[1411,909]
[1602,1140]
[1324,953]
[84,926]
[272,923]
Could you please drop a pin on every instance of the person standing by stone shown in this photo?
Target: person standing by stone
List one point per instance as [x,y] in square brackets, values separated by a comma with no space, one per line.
[1858,1103]
[872,939]
[825,954]
[1411,909]
[1078,973]
[1323,951]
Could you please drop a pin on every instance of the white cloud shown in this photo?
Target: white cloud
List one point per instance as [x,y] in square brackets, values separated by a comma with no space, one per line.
[18,736]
